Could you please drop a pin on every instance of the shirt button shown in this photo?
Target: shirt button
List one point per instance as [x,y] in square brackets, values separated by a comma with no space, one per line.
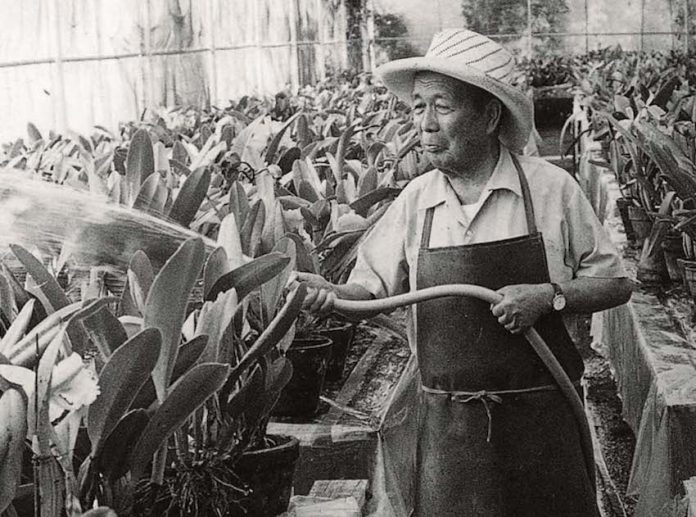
[469,233]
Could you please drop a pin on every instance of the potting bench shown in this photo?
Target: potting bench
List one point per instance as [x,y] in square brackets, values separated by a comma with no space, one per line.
[654,363]
[377,444]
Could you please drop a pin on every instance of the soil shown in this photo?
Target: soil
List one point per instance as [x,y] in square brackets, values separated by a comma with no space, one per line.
[615,437]
[384,371]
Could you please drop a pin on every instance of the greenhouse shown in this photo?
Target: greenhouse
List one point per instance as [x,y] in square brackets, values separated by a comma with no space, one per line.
[345,258]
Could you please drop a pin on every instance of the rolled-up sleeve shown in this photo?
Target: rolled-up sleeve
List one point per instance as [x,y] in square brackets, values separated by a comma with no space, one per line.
[589,249]
[381,265]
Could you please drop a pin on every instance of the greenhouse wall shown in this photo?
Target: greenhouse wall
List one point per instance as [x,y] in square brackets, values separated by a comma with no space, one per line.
[73,64]
[556,26]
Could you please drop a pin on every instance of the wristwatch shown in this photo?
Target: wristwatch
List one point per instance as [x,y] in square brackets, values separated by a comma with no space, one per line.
[558,302]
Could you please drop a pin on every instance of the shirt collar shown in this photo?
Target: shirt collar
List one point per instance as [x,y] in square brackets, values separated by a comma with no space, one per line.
[504,177]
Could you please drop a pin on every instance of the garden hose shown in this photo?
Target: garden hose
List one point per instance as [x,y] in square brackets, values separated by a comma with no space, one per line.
[535,340]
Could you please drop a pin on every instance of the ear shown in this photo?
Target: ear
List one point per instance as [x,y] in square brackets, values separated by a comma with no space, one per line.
[494,115]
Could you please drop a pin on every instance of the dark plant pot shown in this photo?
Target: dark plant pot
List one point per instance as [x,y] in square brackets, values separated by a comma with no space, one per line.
[622,205]
[652,268]
[550,112]
[641,223]
[673,250]
[309,358]
[342,338]
[681,264]
[268,473]
[690,278]
[23,501]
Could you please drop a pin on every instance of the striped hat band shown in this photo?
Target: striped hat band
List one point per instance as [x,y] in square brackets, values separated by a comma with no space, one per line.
[474,50]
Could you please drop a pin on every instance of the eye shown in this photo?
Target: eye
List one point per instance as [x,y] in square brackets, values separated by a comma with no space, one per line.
[418,108]
[443,108]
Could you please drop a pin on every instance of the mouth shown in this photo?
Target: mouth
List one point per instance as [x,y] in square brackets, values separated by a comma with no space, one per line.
[432,148]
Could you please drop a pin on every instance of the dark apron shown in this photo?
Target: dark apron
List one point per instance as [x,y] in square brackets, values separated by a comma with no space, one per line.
[496,436]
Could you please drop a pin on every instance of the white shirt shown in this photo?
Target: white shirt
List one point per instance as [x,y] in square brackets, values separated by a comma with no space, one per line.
[576,243]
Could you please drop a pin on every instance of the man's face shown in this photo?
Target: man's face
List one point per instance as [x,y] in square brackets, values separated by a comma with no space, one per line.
[452,127]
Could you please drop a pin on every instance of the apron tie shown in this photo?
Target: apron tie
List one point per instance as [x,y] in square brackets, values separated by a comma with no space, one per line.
[488,397]
[464,397]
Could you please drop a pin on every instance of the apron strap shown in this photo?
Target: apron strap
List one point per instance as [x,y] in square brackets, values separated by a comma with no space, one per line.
[526,196]
[427,227]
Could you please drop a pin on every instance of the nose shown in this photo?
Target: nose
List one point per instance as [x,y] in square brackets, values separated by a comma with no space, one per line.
[428,120]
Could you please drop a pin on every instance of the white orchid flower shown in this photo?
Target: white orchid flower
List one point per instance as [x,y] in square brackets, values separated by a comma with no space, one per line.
[74,385]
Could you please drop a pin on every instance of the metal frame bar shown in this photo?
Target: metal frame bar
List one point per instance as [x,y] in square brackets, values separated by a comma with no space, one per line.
[155,53]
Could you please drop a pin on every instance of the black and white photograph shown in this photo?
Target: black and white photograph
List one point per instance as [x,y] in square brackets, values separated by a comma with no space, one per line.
[348,258]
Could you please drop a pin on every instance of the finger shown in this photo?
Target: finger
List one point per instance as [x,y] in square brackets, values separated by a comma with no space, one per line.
[319,301]
[328,305]
[505,319]
[302,277]
[309,298]
[498,309]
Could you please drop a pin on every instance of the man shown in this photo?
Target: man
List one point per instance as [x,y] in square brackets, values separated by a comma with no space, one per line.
[496,436]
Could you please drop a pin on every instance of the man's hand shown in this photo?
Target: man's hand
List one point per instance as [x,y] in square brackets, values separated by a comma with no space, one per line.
[321,297]
[522,305]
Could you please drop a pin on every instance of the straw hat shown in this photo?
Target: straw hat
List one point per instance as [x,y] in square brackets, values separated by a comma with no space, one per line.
[474,59]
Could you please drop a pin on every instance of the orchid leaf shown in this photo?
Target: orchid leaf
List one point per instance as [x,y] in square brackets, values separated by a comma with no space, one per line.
[140,278]
[250,276]
[293,202]
[188,354]
[190,197]
[305,260]
[216,266]
[105,331]
[183,399]
[374,151]
[152,196]
[273,334]
[272,291]
[307,192]
[44,372]
[140,162]
[253,229]
[126,371]
[166,304]
[250,389]
[213,321]
[239,204]
[52,291]
[112,461]
[13,431]
[230,240]
[363,204]
[274,229]
[18,328]
[47,283]
[342,149]
[368,182]
[288,159]
[7,298]
[179,152]
[275,143]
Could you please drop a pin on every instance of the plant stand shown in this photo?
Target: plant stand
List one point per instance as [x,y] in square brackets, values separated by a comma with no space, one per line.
[364,434]
[649,345]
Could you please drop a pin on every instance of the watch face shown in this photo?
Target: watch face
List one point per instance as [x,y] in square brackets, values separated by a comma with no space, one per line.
[559,302]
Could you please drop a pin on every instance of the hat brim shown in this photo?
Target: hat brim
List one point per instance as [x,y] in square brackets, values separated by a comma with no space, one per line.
[399,76]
